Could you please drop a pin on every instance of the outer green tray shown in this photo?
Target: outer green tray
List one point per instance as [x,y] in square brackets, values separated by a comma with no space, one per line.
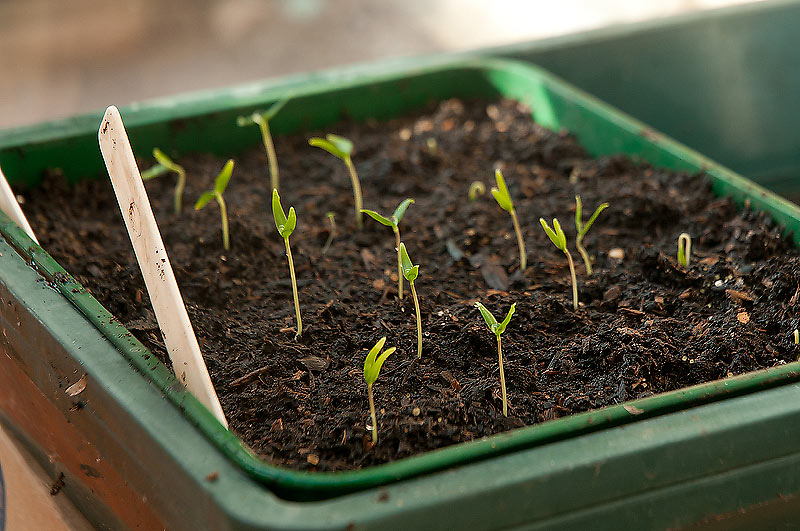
[206,122]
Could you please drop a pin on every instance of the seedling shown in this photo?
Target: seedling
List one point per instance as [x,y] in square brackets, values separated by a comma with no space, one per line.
[164,165]
[583,229]
[220,184]
[372,368]
[475,189]
[503,198]
[559,239]
[411,271]
[796,336]
[262,121]
[393,222]
[342,148]
[498,329]
[332,234]
[684,249]
[285,225]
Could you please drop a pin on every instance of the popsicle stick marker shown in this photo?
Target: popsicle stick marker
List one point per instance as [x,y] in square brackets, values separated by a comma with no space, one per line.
[158,276]
[11,208]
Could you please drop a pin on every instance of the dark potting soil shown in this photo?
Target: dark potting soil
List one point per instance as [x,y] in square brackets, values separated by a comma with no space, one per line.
[645,325]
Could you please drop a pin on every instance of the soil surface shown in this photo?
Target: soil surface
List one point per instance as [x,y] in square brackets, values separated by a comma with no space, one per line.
[645,325]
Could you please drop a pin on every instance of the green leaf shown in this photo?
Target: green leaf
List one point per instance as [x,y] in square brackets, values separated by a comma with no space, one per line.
[556,235]
[401,210]
[284,225]
[204,199]
[342,144]
[502,326]
[377,217]
[224,177]
[291,223]
[154,172]
[410,271]
[276,107]
[327,146]
[373,363]
[165,161]
[501,194]
[491,322]
[594,217]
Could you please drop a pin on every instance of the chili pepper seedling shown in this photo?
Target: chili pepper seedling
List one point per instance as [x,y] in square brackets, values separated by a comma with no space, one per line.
[475,189]
[796,336]
[342,148]
[164,165]
[684,249]
[332,234]
[503,198]
[220,184]
[498,329]
[411,271]
[262,121]
[559,239]
[393,222]
[582,229]
[372,368]
[285,225]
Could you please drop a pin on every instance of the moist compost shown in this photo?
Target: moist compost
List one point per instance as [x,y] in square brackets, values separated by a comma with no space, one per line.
[645,325]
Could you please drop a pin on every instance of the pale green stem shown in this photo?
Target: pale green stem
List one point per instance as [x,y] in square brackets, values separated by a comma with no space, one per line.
[584,255]
[179,191]
[332,235]
[574,280]
[372,413]
[523,257]
[271,157]
[502,376]
[399,264]
[419,321]
[223,212]
[356,190]
[294,289]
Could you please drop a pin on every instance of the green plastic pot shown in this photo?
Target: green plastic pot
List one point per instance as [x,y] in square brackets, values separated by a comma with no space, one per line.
[720,81]
[668,460]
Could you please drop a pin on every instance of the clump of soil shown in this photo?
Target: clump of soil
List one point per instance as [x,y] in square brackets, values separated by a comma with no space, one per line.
[645,325]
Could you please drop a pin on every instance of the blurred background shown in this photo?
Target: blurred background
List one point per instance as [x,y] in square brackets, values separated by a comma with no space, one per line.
[61,58]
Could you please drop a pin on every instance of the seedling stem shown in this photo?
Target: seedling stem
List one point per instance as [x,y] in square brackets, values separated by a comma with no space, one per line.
[582,229]
[372,368]
[394,222]
[410,272]
[684,249]
[220,184]
[503,198]
[262,121]
[498,329]
[332,235]
[286,225]
[342,148]
[559,239]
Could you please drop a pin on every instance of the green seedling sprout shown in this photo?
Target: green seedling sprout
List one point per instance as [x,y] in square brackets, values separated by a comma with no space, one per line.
[342,148]
[796,336]
[332,235]
[498,329]
[684,249]
[285,225]
[411,271]
[164,165]
[393,222]
[220,183]
[559,239]
[372,368]
[582,229]
[262,121]
[503,198]
[475,189]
